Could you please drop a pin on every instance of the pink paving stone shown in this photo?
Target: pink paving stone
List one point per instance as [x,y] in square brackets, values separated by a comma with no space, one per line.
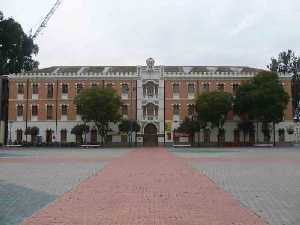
[146,187]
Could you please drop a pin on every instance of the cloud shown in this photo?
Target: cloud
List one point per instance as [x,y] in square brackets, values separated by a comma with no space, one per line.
[189,32]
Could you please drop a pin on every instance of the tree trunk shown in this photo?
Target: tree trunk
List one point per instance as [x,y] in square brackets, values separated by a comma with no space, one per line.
[244,133]
[274,135]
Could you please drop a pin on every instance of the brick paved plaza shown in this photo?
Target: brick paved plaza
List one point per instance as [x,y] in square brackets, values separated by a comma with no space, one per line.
[150,186]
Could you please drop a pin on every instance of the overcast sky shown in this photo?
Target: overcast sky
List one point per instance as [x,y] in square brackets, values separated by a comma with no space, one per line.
[173,32]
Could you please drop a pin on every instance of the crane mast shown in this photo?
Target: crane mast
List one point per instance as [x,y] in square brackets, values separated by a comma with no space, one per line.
[46,19]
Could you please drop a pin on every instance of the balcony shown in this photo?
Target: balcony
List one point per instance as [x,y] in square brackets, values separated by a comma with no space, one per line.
[150,118]
[150,97]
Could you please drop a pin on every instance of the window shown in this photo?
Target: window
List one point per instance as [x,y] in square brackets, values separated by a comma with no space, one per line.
[19,136]
[35,89]
[20,110]
[176,110]
[34,110]
[65,89]
[220,87]
[125,89]
[191,88]
[49,112]
[63,136]
[176,88]
[191,110]
[234,88]
[124,110]
[50,90]
[79,88]
[64,110]
[109,85]
[206,87]
[20,89]
[94,85]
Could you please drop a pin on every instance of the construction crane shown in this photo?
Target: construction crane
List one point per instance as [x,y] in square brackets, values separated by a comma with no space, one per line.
[46,20]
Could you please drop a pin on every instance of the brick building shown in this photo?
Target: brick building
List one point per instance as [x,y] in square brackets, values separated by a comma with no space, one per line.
[158,97]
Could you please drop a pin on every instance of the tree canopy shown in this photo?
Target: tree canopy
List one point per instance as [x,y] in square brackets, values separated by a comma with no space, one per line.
[213,107]
[129,125]
[99,105]
[16,48]
[289,62]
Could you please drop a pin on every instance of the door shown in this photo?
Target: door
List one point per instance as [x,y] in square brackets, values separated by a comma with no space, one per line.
[94,137]
[49,136]
[150,135]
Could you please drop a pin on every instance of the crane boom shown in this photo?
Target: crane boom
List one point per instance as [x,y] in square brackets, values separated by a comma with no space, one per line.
[46,19]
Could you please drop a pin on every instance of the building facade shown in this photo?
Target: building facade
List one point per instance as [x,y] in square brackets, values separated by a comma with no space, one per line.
[158,97]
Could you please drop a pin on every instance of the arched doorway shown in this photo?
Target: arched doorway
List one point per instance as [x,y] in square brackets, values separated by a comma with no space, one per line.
[150,135]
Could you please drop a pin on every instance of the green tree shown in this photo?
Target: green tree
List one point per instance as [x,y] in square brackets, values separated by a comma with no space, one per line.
[129,126]
[213,107]
[101,106]
[263,99]
[33,131]
[16,48]
[79,130]
[190,126]
[288,62]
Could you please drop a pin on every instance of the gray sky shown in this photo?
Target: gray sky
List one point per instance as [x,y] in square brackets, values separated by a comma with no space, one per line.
[173,32]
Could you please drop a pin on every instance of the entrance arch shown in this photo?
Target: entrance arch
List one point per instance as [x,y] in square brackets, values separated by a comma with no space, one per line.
[150,135]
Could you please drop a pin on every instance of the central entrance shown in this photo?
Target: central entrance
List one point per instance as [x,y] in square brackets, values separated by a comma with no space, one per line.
[150,135]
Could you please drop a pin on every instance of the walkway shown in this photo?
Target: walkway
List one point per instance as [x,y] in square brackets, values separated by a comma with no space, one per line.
[146,187]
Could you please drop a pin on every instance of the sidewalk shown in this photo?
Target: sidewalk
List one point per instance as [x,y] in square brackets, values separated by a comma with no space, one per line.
[146,187]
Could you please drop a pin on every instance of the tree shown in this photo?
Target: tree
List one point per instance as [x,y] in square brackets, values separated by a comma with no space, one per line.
[263,99]
[288,62]
[190,126]
[129,126]
[16,48]
[101,106]
[33,131]
[246,126]
[79,130]
[213,107]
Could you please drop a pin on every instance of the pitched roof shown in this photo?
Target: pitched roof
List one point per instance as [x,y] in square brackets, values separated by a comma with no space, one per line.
[133,69]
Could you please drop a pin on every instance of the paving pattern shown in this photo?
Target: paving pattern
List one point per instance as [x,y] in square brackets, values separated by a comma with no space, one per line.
[146,187]
[265,180]
[31,179]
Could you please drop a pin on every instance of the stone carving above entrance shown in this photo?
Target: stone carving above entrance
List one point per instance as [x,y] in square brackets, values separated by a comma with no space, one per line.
[150,63]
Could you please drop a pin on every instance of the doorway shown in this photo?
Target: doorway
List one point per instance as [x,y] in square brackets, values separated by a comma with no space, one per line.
[150,135]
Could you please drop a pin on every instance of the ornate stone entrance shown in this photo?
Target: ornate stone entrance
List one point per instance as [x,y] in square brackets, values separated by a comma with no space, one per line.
[150,135]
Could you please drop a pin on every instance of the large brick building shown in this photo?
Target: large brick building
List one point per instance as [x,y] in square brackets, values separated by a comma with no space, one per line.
[158,97]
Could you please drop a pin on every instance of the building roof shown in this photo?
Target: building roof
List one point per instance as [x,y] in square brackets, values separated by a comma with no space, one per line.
[133,69]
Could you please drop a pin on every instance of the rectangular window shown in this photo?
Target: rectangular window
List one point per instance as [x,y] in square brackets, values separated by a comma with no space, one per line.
[206,87]
[34,110]
[220,87]
[191,88]
[109,85]
[176,88]
[125,89]
[35,89]
[124,110]
[50,90]
[176,110]
[20,110]
[79,88]
[191,110]
[65,89]
[64,110]
[20,89]
[235,88]
[63,136]
[94,85]
[49,112]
